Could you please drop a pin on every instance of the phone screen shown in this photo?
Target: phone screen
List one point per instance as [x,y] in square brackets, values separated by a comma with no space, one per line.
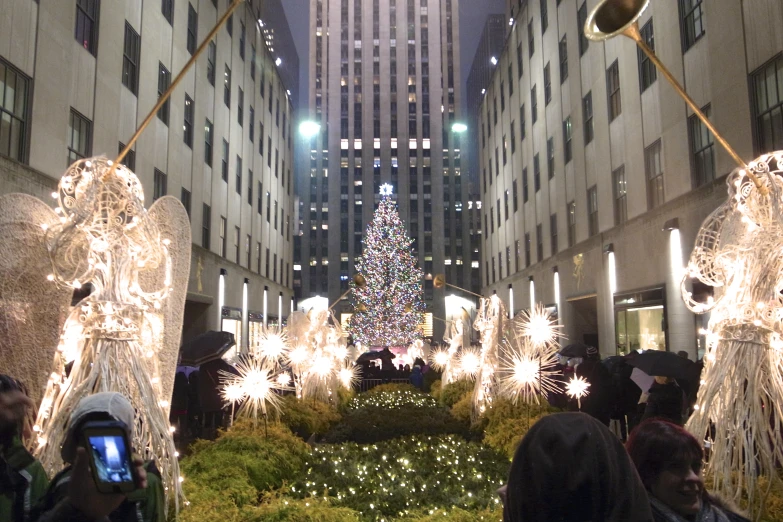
[110,457]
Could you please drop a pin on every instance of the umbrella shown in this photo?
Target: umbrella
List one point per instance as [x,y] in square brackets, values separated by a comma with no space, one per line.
[642,380]
[367,357]
[206,347]
[574,350]
[665,364]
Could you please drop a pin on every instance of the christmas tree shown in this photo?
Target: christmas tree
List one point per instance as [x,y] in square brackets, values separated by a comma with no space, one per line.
[388,309]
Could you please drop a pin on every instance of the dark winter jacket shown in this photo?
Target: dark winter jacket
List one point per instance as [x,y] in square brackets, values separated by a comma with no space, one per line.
[665,402]
[570,468]
[599,400]
[23,482]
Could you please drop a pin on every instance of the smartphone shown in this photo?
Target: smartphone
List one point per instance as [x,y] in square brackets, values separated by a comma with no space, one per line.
[108,447]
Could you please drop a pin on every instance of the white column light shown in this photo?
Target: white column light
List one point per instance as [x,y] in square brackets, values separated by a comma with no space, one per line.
[675,253]
[612,274]
[510,301]
[266,308]
[532,294]
[221,297]
[556,277]
[245,330]
[280,310]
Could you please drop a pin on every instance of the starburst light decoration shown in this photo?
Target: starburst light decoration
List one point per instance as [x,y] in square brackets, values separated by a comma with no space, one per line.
[526,370]
[272,344]
[739,408]
[123,337]
[538,326]
[389,307]
[577,388]
[255,386]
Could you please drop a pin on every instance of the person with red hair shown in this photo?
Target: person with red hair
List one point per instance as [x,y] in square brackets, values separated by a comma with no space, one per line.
[669,461]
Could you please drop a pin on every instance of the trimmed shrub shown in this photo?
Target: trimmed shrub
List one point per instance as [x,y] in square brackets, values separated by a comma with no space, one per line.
[308,417]
[454,391]
[505,424]
[391,387]
[287,509]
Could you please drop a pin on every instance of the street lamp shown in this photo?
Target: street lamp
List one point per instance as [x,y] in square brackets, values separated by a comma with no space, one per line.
[459,127]
[308,129]
[493,61]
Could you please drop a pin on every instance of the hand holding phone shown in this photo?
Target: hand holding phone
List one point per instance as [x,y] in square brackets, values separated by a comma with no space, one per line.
[109,451]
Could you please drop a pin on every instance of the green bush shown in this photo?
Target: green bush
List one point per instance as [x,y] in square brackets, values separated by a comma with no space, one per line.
[436,388]
[493,514]
[226,475]
[287,509]
[405,476]
[504,424]
[391,387]
[308,417]
[454,391]
[385,415]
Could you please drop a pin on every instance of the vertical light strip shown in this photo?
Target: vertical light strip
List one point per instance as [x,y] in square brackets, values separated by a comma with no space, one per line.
[266,308]
[280,310]
[221,298]
[675,256]
[510,301]
[245,330]
[292,304]
[556,284]
[532,294]
[612,275]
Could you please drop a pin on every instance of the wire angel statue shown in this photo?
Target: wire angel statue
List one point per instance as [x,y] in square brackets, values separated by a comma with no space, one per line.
[124,337]
[739,409]
[446,359]
[489,324]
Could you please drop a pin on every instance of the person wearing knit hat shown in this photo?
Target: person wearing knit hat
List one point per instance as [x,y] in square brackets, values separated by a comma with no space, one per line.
[23,481]
[592,353]
[599,401]
[73,495]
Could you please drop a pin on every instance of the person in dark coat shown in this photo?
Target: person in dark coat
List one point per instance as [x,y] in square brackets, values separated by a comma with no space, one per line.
[669,462]
[209,394]
[570,468]
[387,366]
[626,396]
[417,378]
[666,400]
[598,402]
[179,405]
[194,406]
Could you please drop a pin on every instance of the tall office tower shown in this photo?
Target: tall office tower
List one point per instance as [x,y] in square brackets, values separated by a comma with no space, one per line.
[280,42]
[76,80]
[384,87]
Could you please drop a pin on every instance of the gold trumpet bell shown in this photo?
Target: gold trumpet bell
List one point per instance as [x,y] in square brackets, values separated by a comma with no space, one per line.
[614,17]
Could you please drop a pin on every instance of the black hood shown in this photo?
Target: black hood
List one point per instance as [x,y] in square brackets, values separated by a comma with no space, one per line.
[571,468]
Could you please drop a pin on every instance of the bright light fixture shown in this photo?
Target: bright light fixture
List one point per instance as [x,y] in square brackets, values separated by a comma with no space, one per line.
[493,60]
[308,129]
[459,127]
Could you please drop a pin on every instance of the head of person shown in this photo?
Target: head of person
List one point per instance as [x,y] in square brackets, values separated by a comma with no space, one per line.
[12,429]
[669,461]
[660,379]
[592,353]
[570,468]
[683,354]
[104,406]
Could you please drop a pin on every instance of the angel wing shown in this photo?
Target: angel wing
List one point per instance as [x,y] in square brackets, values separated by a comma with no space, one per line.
[173,225]
[32,309]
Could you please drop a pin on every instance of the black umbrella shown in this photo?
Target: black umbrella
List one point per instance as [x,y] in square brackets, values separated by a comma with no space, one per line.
[206,347]
[574,350]
[367,357]
[664,364]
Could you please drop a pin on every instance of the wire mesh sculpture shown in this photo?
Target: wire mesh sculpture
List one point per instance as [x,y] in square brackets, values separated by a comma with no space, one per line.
[739,408]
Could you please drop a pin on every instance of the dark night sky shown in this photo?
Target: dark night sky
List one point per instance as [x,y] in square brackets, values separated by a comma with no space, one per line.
[472,15]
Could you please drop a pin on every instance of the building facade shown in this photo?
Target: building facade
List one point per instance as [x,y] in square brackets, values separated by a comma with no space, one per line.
[280,43]
[78,77]
[596,177]
[384,88]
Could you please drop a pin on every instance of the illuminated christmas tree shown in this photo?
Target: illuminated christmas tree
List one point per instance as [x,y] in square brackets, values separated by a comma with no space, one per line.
[388,309]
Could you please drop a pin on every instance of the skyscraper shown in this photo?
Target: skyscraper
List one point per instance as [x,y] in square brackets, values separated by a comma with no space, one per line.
[384,87]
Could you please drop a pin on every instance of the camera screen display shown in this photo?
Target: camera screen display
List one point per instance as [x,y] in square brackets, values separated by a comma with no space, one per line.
[112,462]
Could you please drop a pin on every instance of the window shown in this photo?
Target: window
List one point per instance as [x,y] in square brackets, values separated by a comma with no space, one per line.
[587,116]
[520,69]
[620,200]
[86,32]
[160,188]
[613,90]
[252,62]
[571,215]
[236,244]
[647,71]
[563,48]
[258,257]
[269,149]
[527,249]
[492,220]
[130,59]
[592,210]
[517,254]
[544,17]
[242,40]
[533,105]
[581,19]
[513,139]
[164,80]
[567,131]
[275,214]
[227,87]
[505,203]
[79,135]
[514,195]
[268,205]
[261,138]
[702,147]
[768,104]
[248,252]
[252,125]
[691,22]
[211,57]
[547,85]
[208,140]
[536,174]
[185,198]
[223,225]
[550,157]
[206,218]
[502,97]
[167,8]
[654,170]
[522,127]
[505,150]
[260,198]
[539,243]
[510,80]
[525,191]
[224,165]
[230,25]
[192,41]
[238,175]
[240,106]
[500,265]
[188,123]
[553,234]
[267,263]
[130,158]
[530,42]
[13,113]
